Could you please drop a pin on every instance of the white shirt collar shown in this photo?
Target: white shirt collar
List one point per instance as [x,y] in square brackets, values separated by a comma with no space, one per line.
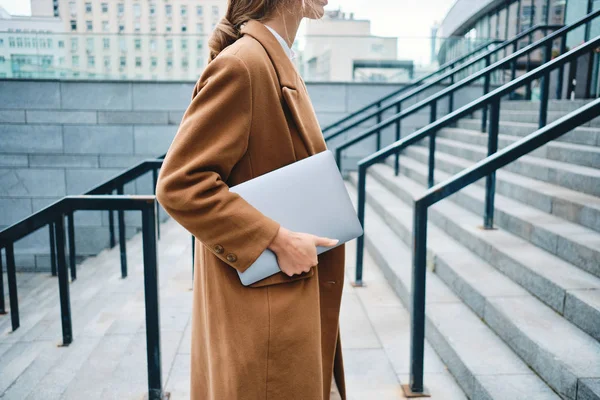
[288,50]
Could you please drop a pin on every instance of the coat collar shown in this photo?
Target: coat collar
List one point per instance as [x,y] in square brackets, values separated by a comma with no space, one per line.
[288,76]
[293,89]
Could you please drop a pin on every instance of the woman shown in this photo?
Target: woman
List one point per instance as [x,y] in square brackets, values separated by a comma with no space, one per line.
[250,114]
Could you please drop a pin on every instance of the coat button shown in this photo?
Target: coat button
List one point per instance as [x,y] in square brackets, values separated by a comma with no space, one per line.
[219,249]
[231,257]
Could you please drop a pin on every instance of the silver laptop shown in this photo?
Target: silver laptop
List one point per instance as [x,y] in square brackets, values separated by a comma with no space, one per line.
[306,196]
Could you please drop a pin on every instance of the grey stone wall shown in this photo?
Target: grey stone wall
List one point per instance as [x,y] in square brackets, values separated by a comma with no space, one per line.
[61,138]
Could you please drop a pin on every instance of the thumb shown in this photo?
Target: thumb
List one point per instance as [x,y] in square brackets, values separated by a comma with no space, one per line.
[323,241]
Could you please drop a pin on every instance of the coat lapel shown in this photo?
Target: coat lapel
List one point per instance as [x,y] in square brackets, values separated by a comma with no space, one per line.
[293,89]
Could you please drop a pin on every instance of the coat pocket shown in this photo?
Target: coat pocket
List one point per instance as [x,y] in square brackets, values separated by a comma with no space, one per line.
[281,277]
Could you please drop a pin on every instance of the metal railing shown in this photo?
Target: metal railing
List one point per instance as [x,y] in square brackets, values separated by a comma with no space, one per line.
[450,75]
[484,168]
[378,103]
[54,214]
[491,100]
[432,101]
[98,198]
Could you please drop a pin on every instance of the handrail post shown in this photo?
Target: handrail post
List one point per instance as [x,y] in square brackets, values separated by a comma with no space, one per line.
[71,237]
[545,89]
[417,314]
[2,305]
[63,282]
[12,286]
[122,238]
[338,158]
[152,306]
[513,70]
[430,172]
[490,181]
[398,136]
[528,68]
[379,121]
[486,89]
[111,227]
[52,249]
[561,69]
[360,243]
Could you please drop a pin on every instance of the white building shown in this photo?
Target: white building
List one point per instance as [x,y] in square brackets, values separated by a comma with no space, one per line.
[341,48]
[135,39]
[29,46]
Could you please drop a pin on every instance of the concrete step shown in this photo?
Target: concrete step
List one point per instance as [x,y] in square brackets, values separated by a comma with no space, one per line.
[484,366]
[573,243]
[553,347]
[579,208]
[575,177]
[582,135]
[587,156]
[553,105]
[568,290]
[532,116]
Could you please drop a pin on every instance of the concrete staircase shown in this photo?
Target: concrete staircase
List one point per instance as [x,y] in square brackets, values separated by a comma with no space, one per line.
[513,312]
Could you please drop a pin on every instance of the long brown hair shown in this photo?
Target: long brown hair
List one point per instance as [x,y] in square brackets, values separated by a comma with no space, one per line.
[227,30]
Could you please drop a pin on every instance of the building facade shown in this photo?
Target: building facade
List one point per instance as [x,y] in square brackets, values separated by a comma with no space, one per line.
[503,19]
[135,39]
[29,47]
[341,48]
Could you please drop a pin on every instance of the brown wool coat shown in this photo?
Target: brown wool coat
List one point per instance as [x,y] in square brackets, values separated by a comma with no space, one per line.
[277,339]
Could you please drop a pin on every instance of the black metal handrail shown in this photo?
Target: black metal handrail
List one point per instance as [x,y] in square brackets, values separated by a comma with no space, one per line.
[486,57]
[485,73]
[379,102]
[54,214]
[483,168]
[492,100]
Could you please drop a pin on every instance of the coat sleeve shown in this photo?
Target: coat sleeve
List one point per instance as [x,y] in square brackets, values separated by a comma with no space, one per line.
[211,139]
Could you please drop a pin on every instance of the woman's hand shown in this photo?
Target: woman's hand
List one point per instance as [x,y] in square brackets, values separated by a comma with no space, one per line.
[297,252]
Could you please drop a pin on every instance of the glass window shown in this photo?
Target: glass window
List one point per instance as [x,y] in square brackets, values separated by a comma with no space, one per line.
[122,44]
[169,63]
[169,44]
[19,42]
[61,44]
[512,19]
[215,11]
[575,11]
[502,23]
[72,8]
[184,11]
[27,42]
[138,44]
[91,61]
[153,62]
[168,28]
[137,26]
[152,44]
[200,44]
[74,43]
[138,62]
[75,61]
[73,25]
[88,26]
[106,43]
[123,61]
[168,9]
[184,63]
[89,44]
[121,27]
[11,41]
[199,11]
[105,26]
[106,61]
[120,9]
[49,42]
[152,9]
[200,28]
[557,12]
[104,7]
[152,26]
[88,7]
[184,44]
[137,11]
[183,28]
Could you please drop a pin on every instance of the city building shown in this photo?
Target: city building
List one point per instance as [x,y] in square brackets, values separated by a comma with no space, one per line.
[341,48]
[29,46]
[503,19]
[133,39]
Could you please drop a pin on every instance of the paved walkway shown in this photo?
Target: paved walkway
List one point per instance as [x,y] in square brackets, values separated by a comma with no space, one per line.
[107,358]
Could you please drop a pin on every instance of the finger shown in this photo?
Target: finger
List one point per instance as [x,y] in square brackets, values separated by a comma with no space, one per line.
[323,241]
